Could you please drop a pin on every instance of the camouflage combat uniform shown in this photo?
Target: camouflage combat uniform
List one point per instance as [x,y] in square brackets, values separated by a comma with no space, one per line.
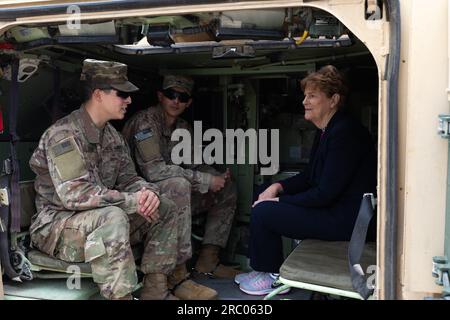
[187,185]
[86,205]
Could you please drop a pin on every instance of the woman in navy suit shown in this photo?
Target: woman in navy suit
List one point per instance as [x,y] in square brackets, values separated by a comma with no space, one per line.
[321,202]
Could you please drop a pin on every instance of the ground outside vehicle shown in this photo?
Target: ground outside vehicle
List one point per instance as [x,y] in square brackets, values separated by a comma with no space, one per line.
[247,58]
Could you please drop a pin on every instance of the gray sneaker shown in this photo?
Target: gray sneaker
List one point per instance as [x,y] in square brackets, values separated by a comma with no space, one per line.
[260,285]
[242,277]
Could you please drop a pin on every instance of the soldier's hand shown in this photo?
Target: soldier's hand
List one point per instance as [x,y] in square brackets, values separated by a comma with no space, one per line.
[217,183]
[148,204]
[227,174]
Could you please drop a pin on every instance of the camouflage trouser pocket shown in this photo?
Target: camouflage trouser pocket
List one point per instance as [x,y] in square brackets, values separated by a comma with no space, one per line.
[93,251]
[70,246]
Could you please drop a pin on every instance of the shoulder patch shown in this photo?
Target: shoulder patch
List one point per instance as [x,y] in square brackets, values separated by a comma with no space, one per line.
[67,159]
[148,144]
[143,135]
[62,148]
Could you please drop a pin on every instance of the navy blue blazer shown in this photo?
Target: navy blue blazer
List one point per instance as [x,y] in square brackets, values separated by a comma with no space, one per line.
[342,167]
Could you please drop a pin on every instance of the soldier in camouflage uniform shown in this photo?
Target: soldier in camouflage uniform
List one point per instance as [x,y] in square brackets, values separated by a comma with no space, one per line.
[192,188]
[91,204]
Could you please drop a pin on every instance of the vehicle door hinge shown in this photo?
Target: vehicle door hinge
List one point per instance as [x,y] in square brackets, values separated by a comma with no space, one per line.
[444,126]
[441,267]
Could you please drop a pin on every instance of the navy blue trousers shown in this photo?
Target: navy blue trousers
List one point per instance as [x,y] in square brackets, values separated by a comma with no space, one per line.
[271,220]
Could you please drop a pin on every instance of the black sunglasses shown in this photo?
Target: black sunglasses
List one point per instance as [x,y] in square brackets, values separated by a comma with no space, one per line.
[122,94]
[172,95]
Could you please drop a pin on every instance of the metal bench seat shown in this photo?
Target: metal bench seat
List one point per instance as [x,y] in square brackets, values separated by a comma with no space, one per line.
[322,266]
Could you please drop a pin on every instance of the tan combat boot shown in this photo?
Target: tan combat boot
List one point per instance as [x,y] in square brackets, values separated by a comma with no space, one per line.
[155,288]
[208,263]
[126,297]
[186,289]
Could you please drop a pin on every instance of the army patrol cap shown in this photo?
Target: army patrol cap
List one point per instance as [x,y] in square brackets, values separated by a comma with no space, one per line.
[184,82]
[106,74]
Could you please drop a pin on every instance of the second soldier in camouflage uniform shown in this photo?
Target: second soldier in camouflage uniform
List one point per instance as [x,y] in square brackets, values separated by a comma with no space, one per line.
[192,188]
[91,204]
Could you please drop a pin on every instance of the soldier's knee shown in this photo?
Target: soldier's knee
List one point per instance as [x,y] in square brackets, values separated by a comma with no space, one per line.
[115,216]
[180,184]
[113,226]
[230,191]
[166,207]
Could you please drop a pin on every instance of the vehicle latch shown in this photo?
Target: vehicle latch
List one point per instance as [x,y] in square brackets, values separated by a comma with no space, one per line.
[441,267]
[233,52]
[444,126]
[4,198]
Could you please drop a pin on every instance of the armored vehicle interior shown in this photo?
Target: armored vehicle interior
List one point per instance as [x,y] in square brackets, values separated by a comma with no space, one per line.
[246,65]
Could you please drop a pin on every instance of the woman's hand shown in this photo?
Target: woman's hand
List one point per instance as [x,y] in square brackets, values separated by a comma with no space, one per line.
[271,192]
[217,183]
[271,199]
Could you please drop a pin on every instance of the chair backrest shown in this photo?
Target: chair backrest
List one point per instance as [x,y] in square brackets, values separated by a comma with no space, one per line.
[357,242]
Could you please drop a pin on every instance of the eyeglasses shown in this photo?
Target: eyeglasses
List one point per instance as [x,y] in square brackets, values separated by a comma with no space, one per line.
[172,95]
[122,94]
